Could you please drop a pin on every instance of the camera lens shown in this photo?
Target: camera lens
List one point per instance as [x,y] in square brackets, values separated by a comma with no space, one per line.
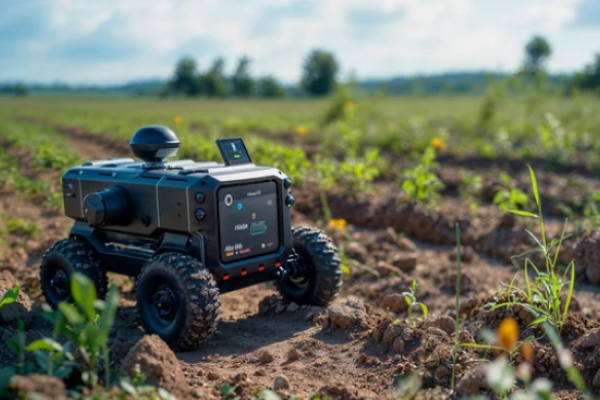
[200,214]
[289,200]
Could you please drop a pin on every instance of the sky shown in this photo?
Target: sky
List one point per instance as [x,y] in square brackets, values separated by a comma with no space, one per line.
[115,41]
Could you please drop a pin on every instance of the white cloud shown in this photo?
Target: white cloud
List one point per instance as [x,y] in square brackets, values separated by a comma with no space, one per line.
[112,40]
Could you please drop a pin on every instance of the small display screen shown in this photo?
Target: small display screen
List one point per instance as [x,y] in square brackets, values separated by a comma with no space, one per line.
[248,221]
[234,151]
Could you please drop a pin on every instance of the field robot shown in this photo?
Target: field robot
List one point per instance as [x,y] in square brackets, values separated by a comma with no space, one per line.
[186,231]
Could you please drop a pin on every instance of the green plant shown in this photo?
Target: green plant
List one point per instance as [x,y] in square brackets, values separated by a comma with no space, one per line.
[87,324]
[511,199]
[543,295]
[456,341]
[292,161]
[228,392]
[21,227]
[137,388]
[340,106]
[501,375]
[411,300]
[358,173]
[10,296]
[324,172]
[421,183]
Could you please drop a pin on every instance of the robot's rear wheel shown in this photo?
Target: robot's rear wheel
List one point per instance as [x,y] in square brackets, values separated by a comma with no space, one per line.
[178,299]
[63,259]
[322,278]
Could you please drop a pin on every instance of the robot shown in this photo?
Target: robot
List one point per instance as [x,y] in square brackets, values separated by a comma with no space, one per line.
[186,231]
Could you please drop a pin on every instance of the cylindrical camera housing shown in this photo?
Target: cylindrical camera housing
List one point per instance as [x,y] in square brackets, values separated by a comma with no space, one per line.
[110,206]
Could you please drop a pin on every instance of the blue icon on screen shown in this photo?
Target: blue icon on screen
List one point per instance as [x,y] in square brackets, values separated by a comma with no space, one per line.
[239,206]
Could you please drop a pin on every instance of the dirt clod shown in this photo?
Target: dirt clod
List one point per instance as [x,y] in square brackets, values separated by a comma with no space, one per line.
[356,251]
[265,357]
[406,244]
[158,363]
[384,269]
[466,254]
[281,382]
[591,340]
[394,302]
[468,305]
[398,344]
[464,336]
[444,323]
[405,261]
[473,381]
[38,386]
[587,252]
[272,305]
[348,315]
[596,380]
[293,354]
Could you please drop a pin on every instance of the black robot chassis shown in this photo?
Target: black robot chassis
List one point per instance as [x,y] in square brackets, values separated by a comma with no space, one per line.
[187,231]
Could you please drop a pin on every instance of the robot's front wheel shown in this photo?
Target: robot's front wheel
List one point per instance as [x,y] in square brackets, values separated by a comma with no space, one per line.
[61,261]
[178,299]
[322,278]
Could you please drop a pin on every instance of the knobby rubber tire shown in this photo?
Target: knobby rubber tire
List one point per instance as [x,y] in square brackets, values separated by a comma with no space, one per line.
[324,268]
[72,255]
[196,300]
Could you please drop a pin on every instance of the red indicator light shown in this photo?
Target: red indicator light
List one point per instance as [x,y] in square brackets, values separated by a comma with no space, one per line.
[278,264]
[244,272]
[261,268]
[226,277]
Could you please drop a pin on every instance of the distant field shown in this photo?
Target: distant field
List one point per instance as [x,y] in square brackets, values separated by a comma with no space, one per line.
[488,126]
[390,179]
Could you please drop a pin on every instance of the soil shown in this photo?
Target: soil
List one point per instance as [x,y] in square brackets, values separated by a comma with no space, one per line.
[351,350]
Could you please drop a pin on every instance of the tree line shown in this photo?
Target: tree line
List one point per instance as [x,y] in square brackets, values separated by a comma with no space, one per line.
[16,89]
[319,79]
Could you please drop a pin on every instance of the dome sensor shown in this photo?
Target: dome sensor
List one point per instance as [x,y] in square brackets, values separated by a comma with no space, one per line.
[153,144]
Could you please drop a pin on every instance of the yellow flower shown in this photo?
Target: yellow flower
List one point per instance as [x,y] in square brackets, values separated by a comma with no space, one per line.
[177,120]
[527,351]
[349,106]
[301,130]
[438,143]
[508,333]
[339,224]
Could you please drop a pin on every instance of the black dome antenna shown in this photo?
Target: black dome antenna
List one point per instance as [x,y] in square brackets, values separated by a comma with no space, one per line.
[153,144]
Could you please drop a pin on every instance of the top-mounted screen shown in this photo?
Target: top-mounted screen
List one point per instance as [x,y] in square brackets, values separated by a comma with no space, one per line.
[234,151]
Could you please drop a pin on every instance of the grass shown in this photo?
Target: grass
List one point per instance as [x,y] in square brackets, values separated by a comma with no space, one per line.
[399,124]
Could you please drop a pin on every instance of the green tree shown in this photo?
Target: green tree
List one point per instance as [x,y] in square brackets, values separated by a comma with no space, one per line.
[242,84]
[213,82]
[320,71]
[268,87]
[589,78]
[21,90]
[537,52]
[184,81]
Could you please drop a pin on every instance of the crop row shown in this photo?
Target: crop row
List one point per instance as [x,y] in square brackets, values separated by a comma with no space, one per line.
[563,132]
[28,155]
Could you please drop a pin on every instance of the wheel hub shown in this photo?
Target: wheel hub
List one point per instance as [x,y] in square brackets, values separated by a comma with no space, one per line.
[164,303]
[297,272]
[60,283]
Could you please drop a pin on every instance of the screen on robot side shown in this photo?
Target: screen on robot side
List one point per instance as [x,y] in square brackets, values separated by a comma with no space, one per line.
[248,221]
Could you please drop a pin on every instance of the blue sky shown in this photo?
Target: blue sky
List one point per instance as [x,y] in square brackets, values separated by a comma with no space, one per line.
[112,41]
